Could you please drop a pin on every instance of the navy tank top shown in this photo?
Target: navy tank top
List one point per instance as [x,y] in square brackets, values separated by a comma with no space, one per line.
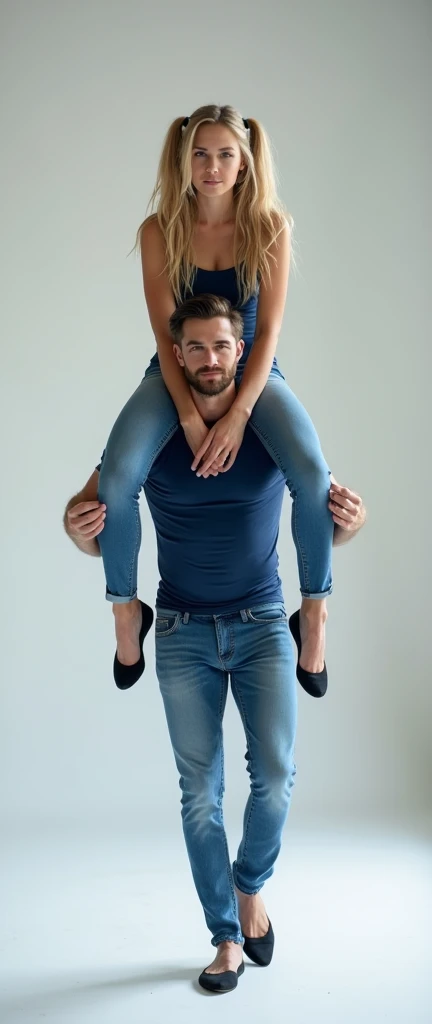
[224,283]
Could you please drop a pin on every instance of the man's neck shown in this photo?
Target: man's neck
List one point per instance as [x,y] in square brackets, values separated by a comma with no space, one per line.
[213,407]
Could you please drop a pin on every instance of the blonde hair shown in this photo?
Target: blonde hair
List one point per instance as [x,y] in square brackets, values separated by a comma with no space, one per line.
[259,214]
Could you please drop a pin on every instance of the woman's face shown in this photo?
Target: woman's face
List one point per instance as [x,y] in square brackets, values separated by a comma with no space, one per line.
[216,160]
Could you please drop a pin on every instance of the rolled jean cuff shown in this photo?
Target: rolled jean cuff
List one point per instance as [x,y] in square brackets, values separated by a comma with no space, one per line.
[317,597]
[238,885]
[118,599]
[217,939]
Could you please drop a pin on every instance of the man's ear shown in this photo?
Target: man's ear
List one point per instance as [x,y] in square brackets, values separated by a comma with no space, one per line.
[239,349]
[179,354]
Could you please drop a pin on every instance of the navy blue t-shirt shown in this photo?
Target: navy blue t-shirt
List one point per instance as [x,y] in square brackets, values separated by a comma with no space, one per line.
[216,538]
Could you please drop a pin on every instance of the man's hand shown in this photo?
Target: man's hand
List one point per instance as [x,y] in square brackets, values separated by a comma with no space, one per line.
[85,520]
[222,444]
[348,512]
[84,517]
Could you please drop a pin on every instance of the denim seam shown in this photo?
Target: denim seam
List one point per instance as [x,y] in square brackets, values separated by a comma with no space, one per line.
[221,791]
[276,458]
[223,658]
[173,628]
[217,939]
[266,441]
[264,622]
[304,583]
[247,731]
[161,444]
[133,566]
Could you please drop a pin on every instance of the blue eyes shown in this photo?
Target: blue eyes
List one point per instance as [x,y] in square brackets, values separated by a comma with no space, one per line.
[199,152]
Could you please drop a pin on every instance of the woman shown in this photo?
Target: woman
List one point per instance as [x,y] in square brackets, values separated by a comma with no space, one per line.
[220,228]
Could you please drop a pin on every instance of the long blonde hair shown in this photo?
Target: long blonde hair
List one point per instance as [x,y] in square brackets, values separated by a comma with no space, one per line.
[259,214]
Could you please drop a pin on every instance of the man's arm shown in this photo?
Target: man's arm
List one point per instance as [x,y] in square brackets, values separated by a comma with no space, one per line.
[348,511]
[84,517]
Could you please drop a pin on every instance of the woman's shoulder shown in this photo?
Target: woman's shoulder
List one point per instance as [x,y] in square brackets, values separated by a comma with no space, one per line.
[152,247]
[281,221]
[151,231]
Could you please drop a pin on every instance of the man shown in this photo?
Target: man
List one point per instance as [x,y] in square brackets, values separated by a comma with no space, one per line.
[221,617]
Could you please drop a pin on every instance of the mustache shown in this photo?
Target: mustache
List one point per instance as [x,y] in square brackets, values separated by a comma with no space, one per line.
[210,369]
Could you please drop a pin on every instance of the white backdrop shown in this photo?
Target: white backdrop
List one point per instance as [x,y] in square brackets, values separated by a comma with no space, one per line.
[88,91]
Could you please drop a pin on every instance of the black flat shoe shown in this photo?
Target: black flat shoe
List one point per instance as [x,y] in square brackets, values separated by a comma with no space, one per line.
[315,683]
[224,982]
[126,675]
[260,950]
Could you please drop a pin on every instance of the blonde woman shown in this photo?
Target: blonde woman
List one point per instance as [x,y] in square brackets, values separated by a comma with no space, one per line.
[218,228]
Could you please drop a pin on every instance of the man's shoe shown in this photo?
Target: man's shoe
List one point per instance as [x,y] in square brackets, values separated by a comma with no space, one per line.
[315,683]
[224,982]
[126,675]
[260,950]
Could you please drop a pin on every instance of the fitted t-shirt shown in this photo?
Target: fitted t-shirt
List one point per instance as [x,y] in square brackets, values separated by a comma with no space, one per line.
[216,537]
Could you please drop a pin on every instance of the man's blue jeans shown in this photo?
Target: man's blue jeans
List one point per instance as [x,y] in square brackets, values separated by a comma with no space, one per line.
[195,657]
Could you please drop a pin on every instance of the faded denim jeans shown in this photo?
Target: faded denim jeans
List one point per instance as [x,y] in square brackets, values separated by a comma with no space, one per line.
[196,657]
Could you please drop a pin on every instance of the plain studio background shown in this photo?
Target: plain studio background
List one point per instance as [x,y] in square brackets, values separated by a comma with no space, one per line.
[89,788]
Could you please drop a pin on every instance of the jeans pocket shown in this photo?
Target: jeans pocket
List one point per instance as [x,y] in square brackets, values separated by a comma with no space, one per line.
[166,623]
[268,613]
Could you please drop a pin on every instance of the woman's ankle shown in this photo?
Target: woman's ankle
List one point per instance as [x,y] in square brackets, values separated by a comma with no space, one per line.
[314,610]
[125,609]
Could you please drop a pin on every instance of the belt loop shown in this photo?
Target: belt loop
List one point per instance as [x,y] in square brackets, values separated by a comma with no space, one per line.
[243,615]
[186,618]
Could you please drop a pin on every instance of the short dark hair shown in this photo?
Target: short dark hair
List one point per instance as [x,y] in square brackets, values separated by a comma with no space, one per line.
[205,307]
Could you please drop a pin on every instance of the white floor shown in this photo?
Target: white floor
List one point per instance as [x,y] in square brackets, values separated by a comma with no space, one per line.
[109,930]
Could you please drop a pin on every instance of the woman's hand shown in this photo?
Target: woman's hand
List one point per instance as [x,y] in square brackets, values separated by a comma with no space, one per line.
[220,447]
[196,432]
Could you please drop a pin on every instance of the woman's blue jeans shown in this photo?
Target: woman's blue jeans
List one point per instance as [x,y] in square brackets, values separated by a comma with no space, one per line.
[148,421]
[196,655]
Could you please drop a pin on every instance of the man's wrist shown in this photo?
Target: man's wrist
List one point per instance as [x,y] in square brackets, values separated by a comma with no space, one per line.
[88,547]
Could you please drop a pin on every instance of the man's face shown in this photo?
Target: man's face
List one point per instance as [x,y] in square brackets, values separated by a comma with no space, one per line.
[209,354]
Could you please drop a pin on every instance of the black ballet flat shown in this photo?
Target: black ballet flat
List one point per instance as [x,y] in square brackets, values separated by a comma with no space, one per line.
[224,982]
[315,683]
[260,950]
[126,675]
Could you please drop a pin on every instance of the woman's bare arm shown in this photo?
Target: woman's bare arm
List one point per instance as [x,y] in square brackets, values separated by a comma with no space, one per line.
[271,305]
[160,305]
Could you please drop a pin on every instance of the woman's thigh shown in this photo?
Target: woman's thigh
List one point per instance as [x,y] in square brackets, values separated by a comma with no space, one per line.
[285,428]
[145,425]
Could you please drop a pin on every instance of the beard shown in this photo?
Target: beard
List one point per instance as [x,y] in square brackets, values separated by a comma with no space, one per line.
[204,386]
